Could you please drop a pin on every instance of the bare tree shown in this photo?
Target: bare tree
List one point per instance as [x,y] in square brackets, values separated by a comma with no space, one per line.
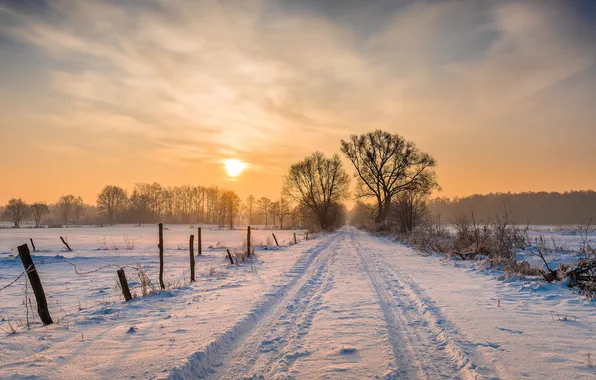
[16,210]
[39,210]
[265,206]
[111,200]
[69,205]
[318,183]
[250,204]
[282,210]
[273,212]
[387,164]
[231,205]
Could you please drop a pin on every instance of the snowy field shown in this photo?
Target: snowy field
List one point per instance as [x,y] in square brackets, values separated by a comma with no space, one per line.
[341,305]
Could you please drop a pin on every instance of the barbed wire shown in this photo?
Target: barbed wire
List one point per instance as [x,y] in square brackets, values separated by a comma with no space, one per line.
[17,278]
[121,266]
[13,281]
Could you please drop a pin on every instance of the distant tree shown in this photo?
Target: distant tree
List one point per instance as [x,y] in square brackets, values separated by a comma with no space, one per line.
[69,206]
[362,214]
[387,164]
[112,200]
[79,208]
[273,212]
[231,205]
[318,183]
[39,210]
[264,205]
[16,210]
[250,204]
[282,210]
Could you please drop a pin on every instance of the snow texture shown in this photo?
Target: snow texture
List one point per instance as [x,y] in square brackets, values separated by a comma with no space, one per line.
[342,305]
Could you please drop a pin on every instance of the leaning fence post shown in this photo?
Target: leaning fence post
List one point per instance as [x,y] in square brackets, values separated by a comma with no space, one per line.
[65,243]
[124,285]
[191,245]
[274,238]
[40,296]
[200,242]
[230,257]
[32,245]
[248,242]
[160,245]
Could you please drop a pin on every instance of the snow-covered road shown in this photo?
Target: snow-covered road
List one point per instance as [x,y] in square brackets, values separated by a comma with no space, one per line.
[364,307]
[344,305]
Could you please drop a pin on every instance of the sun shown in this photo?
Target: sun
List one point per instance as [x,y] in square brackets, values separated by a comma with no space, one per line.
[234,167]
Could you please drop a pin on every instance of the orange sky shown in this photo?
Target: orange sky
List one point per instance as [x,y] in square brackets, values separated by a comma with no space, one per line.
[101,93]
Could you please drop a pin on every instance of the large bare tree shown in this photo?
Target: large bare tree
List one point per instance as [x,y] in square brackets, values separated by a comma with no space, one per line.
[111,200]
[318,183]
[16,210]
[387,164]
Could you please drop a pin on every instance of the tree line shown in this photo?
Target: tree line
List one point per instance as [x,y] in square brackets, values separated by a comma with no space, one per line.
[393,182]
[152,203]
[544,208]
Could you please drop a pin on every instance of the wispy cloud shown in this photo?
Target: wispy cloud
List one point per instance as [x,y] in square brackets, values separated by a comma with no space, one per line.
[209,79]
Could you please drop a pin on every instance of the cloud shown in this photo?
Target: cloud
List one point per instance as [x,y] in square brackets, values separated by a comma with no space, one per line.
[208,79]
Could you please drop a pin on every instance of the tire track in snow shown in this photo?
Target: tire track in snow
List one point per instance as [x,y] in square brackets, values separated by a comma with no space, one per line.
[275,344]
[238,339]
[434,336]
[405,352]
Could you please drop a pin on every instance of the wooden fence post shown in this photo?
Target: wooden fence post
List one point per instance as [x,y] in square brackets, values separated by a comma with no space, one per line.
[306,236]
[160,245]
[65,243]
[230,257]
[191,245]
[124,285]
[295,241]
[32,245]
[274,238]
[40,296]
[248,242]
[200,242]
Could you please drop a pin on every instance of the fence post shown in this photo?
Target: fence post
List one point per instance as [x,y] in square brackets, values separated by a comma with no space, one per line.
[32,245]
[160,245]
[200,241]
[248,242]
[306,237]
[191,245]
[295,241]
[65,243]
[40,296]
[124,285]
[230,257]
[274,238]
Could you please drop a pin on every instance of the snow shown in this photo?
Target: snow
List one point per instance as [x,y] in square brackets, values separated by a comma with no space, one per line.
[342,305]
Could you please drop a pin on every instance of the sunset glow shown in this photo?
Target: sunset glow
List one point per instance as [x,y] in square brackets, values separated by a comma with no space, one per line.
[485,87]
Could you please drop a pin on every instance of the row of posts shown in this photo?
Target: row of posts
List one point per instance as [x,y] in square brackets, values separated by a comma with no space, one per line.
[40,297]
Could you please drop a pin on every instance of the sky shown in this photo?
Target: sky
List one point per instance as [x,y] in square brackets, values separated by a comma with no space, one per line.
[93,92]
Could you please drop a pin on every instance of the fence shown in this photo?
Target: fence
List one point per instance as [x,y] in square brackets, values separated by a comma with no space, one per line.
[30,276]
